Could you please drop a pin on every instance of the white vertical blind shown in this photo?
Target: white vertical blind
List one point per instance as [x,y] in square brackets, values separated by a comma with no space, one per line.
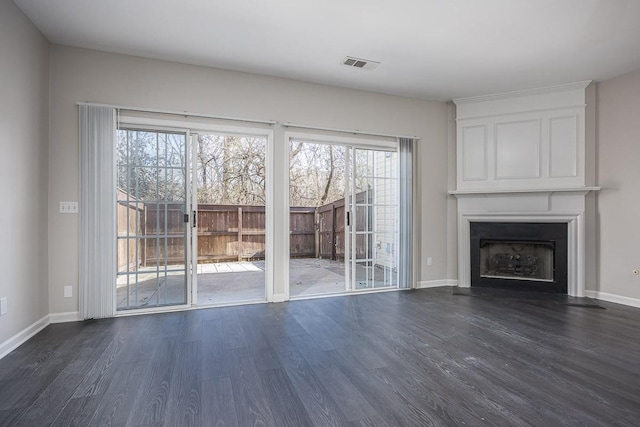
[97,212]
[405,254]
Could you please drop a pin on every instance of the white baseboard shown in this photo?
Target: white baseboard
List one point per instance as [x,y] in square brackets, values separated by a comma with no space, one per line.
[18,339]
[618,299]
[437,283]
[72,316]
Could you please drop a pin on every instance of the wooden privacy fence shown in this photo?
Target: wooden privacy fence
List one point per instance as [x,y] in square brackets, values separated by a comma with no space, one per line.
[331,231]
[225,233]
[234,233]
[331,237]
[302,233]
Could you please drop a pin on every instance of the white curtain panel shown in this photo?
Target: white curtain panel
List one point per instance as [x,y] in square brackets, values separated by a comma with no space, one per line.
[97,212]
[405,254]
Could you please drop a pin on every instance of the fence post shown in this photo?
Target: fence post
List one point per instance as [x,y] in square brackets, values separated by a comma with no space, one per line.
[316,224]
[334,241]
[240,245]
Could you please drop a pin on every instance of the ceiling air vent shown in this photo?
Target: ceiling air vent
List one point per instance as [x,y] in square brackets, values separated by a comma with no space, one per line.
[365,64]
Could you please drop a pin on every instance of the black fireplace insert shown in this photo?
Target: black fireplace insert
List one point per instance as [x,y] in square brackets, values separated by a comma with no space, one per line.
[519,256]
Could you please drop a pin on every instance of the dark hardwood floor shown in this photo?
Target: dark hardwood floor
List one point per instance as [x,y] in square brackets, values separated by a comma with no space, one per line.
[414,358]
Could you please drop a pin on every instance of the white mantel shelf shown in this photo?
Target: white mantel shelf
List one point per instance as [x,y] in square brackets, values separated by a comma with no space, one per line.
[522,190]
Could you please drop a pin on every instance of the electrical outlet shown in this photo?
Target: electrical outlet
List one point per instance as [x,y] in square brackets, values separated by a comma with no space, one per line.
[68,207]
[429,260]
[3,306]
[68,291]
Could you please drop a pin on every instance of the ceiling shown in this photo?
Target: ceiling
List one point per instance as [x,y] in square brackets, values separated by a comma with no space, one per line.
[433,49]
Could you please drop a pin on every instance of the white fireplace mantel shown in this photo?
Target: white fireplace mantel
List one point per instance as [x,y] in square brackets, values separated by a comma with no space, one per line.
[558,206]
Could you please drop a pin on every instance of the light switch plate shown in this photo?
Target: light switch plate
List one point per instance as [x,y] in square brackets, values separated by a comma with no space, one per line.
[69,207]
[3,306]
[68,291]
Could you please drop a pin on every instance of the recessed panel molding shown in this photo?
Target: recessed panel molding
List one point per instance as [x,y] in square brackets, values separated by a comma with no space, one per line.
[474,153]
[563,147]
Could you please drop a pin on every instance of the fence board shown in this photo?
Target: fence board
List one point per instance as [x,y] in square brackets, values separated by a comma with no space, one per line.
[302,238]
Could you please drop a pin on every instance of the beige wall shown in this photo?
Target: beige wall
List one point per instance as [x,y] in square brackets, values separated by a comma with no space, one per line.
[86,75]
[23,163]
[618,172]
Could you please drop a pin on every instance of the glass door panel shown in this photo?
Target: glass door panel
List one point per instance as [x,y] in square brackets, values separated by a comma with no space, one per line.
[373,227]
[317,245]
[152,219]
[230,234]
[343,218]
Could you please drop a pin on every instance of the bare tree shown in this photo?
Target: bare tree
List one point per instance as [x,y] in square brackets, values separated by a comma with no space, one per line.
[327,187]
[316,173]
[230,169]
[151,165]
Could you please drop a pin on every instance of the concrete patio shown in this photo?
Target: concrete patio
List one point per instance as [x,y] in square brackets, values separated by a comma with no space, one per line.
[229,282]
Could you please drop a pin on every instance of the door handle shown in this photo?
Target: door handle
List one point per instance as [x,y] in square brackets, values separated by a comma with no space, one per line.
[194,219]
[348,219]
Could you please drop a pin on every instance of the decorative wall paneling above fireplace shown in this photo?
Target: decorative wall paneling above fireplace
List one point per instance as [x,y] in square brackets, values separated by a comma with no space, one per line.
[532,139]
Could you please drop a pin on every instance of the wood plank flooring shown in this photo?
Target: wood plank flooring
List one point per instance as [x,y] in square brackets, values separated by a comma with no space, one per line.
[414,358]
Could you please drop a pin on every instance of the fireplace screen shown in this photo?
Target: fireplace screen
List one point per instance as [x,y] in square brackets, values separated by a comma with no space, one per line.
[504,259]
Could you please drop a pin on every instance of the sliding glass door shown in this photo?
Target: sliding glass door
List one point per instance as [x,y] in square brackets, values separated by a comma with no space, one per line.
[192,217]
[152,219]
[343,218]
[373,219]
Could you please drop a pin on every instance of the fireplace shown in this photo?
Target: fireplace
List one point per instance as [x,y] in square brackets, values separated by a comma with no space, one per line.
[519,256]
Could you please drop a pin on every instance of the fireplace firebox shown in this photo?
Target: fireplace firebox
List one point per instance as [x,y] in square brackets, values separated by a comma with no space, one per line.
[519,256]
